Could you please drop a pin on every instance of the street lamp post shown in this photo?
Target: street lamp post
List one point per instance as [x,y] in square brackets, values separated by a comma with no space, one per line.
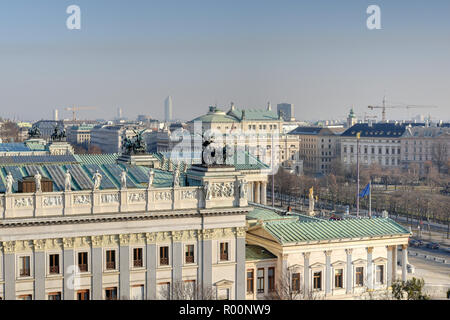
[357,174]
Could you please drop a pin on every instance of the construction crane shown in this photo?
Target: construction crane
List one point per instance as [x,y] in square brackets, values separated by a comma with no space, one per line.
[385,106]
[74,109]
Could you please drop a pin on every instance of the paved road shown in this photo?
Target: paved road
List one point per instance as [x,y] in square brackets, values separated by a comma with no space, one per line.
[436,276]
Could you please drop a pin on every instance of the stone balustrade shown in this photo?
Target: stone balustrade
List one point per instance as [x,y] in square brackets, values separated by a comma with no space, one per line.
[34,205]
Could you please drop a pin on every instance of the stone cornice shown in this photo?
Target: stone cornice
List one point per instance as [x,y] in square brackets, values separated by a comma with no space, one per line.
[113,240]
[64,220]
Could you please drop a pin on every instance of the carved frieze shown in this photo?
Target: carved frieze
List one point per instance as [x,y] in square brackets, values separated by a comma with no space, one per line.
[163,236]
[97,241]
[222,190]
[188,194]
[110,240]
[177,235]
[39,245]
[52,201]
[9,247]
[23,202]
[124,239]
[163,195]
[68,243]
[151,237]
[82,199]
[137,238]
[53,244]
[110,198]
[82,242]
[240,232]
[24,245]
[136,197]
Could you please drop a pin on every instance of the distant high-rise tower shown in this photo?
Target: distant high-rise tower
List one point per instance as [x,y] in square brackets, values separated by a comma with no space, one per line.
[119,113]
[55,115]
[287,111]
[269,106]
[168,109]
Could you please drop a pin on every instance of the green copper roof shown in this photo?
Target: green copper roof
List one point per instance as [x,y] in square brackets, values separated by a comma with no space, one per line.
[254,252]
[98,159]
[266,215]
[244,160]
[290,232]
[215,115]
[254,114]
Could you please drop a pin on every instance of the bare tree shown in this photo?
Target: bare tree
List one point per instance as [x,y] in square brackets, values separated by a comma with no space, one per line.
[440,154]
[187,290]
[288,288]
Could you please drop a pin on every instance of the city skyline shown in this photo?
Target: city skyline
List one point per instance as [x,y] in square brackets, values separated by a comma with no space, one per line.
[320,57]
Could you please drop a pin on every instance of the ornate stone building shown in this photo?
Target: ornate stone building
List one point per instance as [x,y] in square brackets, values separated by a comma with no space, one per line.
[127,243]
[297,257]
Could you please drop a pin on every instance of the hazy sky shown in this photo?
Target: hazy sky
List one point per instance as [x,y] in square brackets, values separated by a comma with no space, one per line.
[318,55]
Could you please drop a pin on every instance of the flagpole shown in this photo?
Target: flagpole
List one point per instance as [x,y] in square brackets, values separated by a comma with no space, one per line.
[370,199]
[357,173]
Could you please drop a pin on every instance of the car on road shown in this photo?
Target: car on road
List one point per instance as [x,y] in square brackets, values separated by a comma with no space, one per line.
[433,245]
[415,243]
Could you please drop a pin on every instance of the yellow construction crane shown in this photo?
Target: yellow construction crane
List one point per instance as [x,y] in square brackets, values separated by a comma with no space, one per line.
[73,109]
[385,106]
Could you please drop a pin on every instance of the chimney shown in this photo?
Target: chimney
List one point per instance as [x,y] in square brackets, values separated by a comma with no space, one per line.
[232,106]
[243,114]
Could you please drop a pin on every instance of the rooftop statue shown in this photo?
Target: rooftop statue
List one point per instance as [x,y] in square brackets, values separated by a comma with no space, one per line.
[58,134]
[151,177]
[34,132]
[135,145]
[68,181]
[123,179]
[210,155]
[37,179]
[97,180]
[9,182]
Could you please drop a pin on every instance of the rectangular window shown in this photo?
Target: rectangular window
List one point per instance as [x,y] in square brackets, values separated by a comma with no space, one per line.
[110,259]
[111,293]
[250,279]
[380,274]
[25,266]
[137,258]
[223,251]
[26,297]
[83,261]
[164,256]
[54,296]
[137,292]
[190,253]
[54,264]
[359,276]
[83,295]
[317,280]
[163,291]
[296,282]
[260,283]
[338,278]
[271,278]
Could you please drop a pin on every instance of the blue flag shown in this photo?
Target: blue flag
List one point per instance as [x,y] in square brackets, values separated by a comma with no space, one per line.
[365,192]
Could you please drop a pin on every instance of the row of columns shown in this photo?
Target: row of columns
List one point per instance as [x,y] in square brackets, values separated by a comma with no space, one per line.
[258,192]
[204,275]
[391,272]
